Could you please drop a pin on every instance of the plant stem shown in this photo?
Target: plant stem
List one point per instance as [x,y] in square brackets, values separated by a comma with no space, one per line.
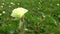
[22,19]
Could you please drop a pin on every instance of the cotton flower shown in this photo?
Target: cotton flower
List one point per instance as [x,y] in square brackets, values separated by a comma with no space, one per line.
[19,12]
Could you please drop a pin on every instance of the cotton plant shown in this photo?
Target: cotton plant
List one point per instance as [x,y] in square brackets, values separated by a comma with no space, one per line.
[19,13]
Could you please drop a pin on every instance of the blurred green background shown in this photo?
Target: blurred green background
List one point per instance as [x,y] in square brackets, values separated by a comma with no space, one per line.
[43,17]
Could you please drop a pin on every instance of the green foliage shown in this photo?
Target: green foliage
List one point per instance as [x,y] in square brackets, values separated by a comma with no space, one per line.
[43,17]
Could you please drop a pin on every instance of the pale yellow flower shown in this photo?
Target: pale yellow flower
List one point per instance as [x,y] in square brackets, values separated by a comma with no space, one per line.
[19,12]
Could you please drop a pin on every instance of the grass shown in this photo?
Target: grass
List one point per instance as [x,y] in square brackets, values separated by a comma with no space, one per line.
[43,16]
